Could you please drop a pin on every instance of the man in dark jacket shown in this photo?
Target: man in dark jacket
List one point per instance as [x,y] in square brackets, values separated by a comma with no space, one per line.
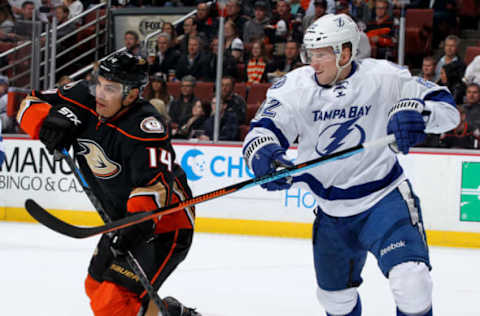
[166,58]
[234,101]
[193,63]
[181,108]
[228,124]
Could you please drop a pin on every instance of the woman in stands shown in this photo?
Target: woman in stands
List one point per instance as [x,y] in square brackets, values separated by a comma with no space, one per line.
[170,29]
[193,126]
[233,44]
[157,89]
[258,64]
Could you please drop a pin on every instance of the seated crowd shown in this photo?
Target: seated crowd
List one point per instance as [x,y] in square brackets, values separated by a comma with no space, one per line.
[262,43]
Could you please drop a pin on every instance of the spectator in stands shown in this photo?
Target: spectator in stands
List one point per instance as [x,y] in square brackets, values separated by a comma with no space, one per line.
[63,81]
[296,27]
[472,107]
[206,22]
[428,69]
[320,10]
[381,32]
[75,7]
[359,11]
[161,108]
[280,23]
[286,62]
[23,25]
[450,76]
[257,64]
[444,19]
[234,102]
[233,44]
[233,14]
[229,127]
[330,7]
[364,47]
[7,122]
[90,77]
[170,29]
[229,63]
[181,108]
[296,8]
[472,73]
[343,6]
[194,63]
[248,8]
[194,123]
[166,57]
[190,29]
[7,23]
[450,54]
[132,42]
[62,13]
[157,89]
[255,28]
[460,137]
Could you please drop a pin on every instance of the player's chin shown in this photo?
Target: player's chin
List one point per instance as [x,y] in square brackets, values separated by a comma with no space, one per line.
[322,79]
[101,109]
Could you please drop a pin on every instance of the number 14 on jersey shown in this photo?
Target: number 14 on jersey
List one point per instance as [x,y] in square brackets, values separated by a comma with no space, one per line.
[159,155]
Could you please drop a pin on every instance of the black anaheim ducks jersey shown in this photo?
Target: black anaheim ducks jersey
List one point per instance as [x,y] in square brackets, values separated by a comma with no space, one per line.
[128,160]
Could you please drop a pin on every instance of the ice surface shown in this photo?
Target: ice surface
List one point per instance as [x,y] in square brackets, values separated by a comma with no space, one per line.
[42,273]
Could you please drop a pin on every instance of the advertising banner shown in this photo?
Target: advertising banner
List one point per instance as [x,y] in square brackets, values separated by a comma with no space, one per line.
[470,192]
[447,184]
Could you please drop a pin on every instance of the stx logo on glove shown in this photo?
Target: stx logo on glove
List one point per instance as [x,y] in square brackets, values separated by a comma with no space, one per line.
[70,115]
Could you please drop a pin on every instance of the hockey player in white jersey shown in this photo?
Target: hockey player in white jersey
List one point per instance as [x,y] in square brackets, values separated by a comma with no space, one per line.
[365,202]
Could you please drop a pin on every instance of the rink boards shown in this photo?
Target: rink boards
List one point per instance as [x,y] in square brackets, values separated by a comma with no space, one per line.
[448,183]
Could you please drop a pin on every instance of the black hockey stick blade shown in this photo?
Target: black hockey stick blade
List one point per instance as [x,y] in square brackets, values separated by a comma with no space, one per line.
[58,225]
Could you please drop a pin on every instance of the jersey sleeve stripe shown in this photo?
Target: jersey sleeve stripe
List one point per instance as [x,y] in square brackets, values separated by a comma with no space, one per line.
[354,192]
[268,124]
[440,96]
[147,198]
[137,137]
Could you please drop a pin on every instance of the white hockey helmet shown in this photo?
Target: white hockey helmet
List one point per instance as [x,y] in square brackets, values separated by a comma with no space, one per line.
[331,30]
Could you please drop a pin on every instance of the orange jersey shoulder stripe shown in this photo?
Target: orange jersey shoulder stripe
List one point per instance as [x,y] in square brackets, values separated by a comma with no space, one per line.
[78,103]
[137,137]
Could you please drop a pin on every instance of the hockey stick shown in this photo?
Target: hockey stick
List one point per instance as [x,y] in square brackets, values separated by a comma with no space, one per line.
[56,224]
[131,260]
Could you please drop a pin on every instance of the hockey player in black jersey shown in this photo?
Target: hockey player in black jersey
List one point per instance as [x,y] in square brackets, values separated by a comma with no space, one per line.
[122,146]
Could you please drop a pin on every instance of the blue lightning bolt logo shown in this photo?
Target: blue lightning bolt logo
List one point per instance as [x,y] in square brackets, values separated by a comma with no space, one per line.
[342,131]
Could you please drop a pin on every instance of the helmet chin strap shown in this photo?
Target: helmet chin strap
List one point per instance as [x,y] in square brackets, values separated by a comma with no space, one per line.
[339,68]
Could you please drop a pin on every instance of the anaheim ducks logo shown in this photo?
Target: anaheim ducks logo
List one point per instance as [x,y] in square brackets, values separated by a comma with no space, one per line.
[101,166]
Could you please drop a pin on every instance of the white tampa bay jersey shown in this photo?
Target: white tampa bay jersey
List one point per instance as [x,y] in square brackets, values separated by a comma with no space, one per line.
[329,119]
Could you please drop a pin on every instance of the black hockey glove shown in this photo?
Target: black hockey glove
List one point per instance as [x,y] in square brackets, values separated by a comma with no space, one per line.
[59,128]
[129,237]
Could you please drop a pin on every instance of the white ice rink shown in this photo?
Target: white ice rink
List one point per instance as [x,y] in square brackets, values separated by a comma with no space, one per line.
[42,273]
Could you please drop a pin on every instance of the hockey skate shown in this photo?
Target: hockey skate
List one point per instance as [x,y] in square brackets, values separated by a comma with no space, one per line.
[175,308]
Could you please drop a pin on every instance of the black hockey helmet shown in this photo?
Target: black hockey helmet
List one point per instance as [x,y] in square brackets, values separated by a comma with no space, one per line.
[125,68]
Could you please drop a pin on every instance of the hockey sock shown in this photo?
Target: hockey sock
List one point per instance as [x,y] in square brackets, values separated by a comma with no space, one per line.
[429,313]
[357,310]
